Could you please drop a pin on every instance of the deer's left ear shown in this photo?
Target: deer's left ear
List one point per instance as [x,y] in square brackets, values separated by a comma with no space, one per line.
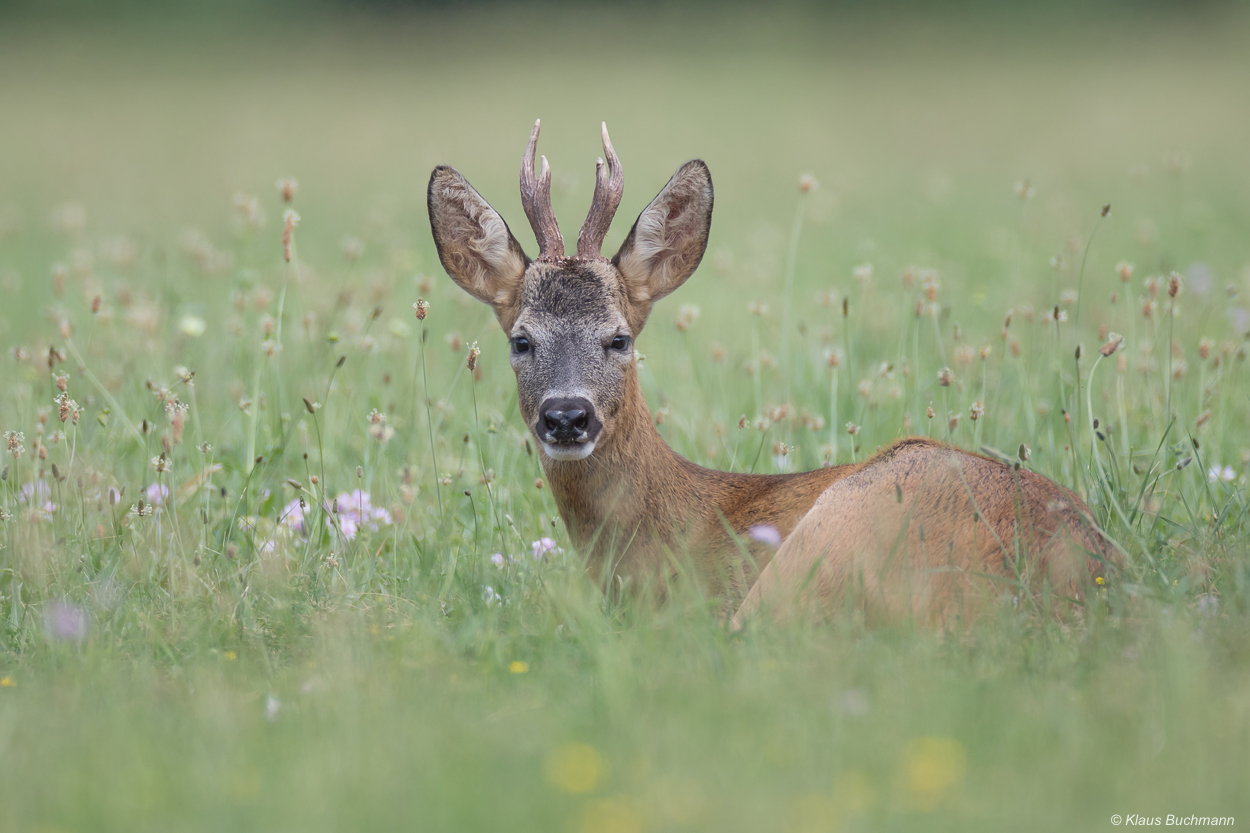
[474,243]
[670,236]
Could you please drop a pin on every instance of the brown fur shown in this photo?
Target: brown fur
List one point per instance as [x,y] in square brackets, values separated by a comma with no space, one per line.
[921,529]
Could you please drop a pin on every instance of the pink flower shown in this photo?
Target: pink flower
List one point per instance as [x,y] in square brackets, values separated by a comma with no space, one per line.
[543,546]
[156,494]
[64,621]
[293,516]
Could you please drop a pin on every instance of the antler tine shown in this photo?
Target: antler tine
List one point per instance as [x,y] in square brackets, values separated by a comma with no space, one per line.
[609,188]
[536,200]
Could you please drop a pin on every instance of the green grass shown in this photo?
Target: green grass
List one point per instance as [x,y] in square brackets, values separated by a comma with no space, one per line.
[205,667]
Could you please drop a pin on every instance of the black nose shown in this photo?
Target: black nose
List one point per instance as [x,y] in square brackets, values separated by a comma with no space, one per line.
[566,420]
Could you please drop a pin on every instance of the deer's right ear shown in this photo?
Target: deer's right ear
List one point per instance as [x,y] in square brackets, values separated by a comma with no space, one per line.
[474,243]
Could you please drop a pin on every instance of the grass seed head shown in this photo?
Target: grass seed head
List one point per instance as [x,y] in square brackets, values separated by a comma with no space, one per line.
[1174,284]
[288,187]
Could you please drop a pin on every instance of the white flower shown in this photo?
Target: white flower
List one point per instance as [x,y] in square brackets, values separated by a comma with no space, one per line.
[1227,474]
[765,534]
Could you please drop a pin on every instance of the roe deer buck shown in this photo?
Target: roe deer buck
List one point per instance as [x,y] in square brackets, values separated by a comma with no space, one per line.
[912,529]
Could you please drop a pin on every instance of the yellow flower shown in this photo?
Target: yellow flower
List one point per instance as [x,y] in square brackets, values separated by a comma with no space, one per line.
[1100,581]
[7,682]
[932,767]
[611,815]
[575,767]
[230,656]
[519,667]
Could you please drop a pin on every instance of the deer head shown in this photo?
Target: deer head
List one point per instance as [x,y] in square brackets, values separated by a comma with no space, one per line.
[572,321]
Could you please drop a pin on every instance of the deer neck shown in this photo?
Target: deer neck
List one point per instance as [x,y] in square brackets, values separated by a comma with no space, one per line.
[630,492]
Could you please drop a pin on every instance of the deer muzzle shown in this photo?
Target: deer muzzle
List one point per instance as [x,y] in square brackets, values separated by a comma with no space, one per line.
[568,427]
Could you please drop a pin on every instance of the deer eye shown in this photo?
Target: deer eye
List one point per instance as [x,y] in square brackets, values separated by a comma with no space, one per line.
[520,344]
[620,343]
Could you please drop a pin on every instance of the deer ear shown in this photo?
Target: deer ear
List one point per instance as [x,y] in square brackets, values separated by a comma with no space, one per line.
[474,243]
[669,237]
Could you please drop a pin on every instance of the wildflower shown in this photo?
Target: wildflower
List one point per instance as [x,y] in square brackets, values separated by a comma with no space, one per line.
[807,182]
[15,440]
[1114,340]
[862,272]
[964,355]
[287,187]
[765,534]
[945,376]
[250,211]
[177,413]
[378,427]
[1024,453]
[353,248]
[929,412]
[953,423]
[421,308]
[1226,473]
[1148,308]
[497,560]
[292,515]
[37,494]
[543,546]
[1125,269]
[852,429]
[1204,348]
[290,219]
[976,411]
[157,494]
[159,463]
[575,768]
[454,341]
[686,316]
[490,596]
[471,361]
[1174,284]
[929,283]
[65,622]
[66,408]
[353,510]
[1067,297]
[932,767]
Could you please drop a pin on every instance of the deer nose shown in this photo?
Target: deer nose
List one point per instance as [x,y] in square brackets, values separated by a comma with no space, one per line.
[566,420]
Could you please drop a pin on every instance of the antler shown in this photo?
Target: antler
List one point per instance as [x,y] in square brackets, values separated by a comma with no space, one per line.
[536,200]
[609,187]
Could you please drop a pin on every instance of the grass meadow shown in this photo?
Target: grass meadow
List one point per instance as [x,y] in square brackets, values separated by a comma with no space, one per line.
[901,202]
